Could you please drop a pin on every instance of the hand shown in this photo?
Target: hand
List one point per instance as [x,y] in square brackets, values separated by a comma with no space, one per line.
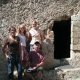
[34,68]
[7,56]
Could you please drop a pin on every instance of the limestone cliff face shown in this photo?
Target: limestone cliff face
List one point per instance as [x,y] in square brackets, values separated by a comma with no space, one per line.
[45,11]
[14,12]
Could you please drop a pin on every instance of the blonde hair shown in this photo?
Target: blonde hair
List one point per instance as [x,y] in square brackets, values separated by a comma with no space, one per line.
[19,29]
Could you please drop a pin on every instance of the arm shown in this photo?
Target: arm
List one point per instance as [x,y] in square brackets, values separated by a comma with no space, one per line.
[42,35]
[41,63]
[29,37]
[5,48]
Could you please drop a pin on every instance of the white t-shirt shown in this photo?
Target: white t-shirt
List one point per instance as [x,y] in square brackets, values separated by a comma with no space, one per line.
[36,35]
[22,40]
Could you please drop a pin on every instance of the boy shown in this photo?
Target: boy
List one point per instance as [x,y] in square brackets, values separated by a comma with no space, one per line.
[36,60]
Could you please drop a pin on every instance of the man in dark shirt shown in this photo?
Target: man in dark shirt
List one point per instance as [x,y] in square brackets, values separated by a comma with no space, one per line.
[36,59]
[13,54]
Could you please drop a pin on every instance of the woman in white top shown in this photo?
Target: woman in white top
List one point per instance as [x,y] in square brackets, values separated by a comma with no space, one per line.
[36,33]
[21,32]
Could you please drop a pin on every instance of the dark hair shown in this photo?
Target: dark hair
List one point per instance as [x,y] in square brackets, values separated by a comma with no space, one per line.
[36,43]
[12,27]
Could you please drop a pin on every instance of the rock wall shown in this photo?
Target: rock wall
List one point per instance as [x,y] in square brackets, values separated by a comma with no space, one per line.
[15,12]
[75,40]
[76,31]
[45,11]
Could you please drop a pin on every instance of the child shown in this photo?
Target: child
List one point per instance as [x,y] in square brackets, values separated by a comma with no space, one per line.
[23,40]
[36,59]
[12,43]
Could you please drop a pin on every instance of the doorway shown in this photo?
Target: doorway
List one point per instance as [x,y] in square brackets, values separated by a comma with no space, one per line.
[62,38]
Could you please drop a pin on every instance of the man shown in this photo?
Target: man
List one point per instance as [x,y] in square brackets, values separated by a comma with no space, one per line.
[37,60]
[13,54]
[36,34]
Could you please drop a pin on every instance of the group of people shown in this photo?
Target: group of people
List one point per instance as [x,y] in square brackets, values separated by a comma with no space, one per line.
[23,51]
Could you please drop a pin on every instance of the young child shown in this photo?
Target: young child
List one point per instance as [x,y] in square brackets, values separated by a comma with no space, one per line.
[12,43]
[23,40]
[36,60]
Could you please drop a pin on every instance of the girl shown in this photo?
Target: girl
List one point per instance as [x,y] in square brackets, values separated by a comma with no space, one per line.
[23,40]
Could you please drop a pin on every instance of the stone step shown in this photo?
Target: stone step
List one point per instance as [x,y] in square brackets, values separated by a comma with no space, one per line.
[67,73]
[59,73]
[74,60]
[63,73]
